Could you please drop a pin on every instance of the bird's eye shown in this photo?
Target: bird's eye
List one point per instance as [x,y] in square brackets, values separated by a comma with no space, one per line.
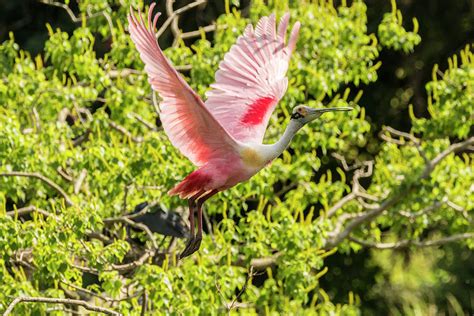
[296,115]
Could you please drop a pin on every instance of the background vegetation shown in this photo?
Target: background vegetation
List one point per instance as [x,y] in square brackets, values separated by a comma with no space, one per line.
[367,213]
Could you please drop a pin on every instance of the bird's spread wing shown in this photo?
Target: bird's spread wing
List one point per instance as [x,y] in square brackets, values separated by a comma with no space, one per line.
[187,122]
[252,79]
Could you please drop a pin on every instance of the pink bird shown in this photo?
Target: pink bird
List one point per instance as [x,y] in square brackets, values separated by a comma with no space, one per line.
[223,136]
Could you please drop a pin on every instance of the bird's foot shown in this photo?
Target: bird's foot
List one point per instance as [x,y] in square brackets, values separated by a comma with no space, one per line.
[193,245]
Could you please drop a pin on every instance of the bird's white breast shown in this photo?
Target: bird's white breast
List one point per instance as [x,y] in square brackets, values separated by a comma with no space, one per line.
[256,157]
[252,158]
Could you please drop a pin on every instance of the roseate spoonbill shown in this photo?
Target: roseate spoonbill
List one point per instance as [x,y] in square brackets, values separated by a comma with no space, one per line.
[223,136]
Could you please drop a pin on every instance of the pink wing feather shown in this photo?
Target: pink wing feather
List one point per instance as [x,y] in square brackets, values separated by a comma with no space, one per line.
[188,123]
[252,79]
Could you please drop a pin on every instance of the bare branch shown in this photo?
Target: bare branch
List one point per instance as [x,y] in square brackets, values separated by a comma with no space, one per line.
[88,292]
[364,217]
[28,209]
[259,264]
[51,300]
[346,199]
[365,170]
[126,220]
[176,13]
[124,131]
[62,309]
[285,189]
[136,263]
[99,236]
[144,303]
[391,140]
[68,10]
[64,174]
[145,123]
[79,181]
[39,176]
[205,29]
[121,219]
[406,243]
[149,187]
[414,140]
[265,262]
[183,67]
[435,206]
[85,269]
[456,147]
[174,22]
[36,119]
[115,73]
[65,7]
[338,236]
[250,275]
[344,163]
[457,208]
[398,133]
[122,268]
[445,240]
[82,138]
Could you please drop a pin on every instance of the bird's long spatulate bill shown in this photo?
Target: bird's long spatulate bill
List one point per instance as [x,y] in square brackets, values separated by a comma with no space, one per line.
[342,108]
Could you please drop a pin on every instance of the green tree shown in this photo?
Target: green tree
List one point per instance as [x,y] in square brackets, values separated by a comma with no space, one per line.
[81,146]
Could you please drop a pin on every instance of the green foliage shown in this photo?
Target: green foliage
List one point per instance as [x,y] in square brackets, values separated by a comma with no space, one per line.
[393,35]
[59,114]
[450,99]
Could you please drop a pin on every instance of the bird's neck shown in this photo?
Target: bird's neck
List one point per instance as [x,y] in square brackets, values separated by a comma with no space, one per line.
[291,129]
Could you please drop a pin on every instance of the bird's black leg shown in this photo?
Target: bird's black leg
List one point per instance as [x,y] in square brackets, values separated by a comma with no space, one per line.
[198,238]
[192,207]
[194,246]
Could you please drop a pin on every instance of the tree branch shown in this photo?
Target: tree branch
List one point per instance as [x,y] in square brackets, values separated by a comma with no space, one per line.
[421,212]
[68,10]
[80,179]
[414,140]
[24,299]
[338,236]
[259,264]
[124,131]
[64,174]
[175,14]
[125,72]
[365,170]
[205,29]
[28,209]
[456,147]
[250,275]
[346,199]
[144,303]
[147,124]
[88,292]
[407,242]
[365,217]
[39,176]
[149,253]
[129,222]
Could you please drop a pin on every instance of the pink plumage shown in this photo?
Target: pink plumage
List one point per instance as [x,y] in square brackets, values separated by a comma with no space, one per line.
[187,122]
[252,73]
[257,111]
[224,135]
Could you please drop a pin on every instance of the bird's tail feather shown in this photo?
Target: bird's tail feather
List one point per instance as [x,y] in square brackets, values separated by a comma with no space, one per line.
[194,184]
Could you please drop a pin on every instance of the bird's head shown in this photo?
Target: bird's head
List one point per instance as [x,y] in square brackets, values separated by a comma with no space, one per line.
[304,114]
